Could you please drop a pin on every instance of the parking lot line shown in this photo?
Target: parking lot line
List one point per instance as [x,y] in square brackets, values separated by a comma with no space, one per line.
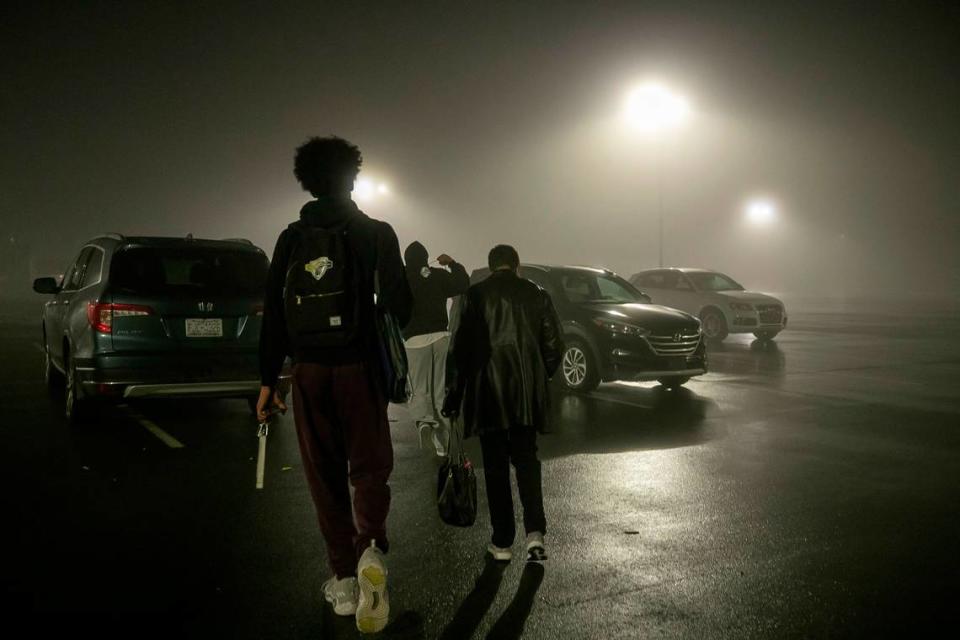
[261,461]
[161,435]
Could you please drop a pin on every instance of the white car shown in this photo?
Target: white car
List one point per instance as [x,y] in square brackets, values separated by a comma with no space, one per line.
[718,300]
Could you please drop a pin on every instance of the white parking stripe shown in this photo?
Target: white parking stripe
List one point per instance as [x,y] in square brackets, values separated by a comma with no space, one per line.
[161,435]
[261,461]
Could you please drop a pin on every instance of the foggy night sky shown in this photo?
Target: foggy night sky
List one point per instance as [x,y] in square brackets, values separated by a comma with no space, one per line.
[501,122]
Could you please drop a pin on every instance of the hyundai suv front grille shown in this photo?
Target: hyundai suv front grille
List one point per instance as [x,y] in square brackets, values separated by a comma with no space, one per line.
[678,344]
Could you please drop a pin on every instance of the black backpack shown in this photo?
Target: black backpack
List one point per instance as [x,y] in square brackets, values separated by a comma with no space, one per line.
[320,294]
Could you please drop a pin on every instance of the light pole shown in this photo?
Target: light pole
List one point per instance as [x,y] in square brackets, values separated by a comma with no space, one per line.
[653,109]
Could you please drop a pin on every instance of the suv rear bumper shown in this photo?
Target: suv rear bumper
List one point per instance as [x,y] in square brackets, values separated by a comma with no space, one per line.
[213,375]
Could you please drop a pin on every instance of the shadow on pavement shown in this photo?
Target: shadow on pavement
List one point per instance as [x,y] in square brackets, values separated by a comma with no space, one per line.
[511,622]
[617,419]
[471,611]
[408,625]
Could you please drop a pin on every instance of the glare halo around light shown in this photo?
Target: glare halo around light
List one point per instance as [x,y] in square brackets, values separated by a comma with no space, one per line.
[652,107]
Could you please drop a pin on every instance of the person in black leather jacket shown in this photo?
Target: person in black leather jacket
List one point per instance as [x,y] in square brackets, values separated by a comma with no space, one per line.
[507,346]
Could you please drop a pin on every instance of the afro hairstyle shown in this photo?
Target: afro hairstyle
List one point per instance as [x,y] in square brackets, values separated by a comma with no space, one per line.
[327,166]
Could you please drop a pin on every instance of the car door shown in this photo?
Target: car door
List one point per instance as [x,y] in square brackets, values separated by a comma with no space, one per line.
[683,295]
[65,301]
[654,284]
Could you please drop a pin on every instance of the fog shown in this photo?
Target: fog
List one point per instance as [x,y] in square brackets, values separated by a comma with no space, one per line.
[502,122]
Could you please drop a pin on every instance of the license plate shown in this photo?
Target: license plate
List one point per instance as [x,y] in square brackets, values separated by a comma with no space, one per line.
[204,327]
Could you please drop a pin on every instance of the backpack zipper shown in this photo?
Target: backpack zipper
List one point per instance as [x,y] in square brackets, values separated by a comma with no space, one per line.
[318,295]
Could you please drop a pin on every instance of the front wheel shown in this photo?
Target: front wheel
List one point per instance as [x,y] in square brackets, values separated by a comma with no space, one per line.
[578,367]
[714,325]
[74,406]
[51,377]
[674,382]
[765,335]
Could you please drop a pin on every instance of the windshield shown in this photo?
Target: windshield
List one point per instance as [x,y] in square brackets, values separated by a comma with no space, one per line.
[189,270]
[583,286]
[713,282]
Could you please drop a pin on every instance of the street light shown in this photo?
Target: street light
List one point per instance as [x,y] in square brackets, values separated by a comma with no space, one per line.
[654,109]
[366,189]
[761,212]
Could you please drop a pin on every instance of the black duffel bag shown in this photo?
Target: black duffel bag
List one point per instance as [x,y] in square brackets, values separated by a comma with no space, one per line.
[457,486]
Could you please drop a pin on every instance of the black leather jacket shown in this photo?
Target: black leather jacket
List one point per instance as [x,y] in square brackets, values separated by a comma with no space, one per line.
[503,352]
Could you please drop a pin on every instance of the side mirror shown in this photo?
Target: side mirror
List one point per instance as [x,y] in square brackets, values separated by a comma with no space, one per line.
[46,285]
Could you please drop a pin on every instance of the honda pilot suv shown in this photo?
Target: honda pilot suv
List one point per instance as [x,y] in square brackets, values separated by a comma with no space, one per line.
[144,317]
[612,332]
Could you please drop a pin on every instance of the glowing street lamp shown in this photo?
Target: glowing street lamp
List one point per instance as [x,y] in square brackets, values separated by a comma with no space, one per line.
[653,109]
[366,189]
[761,212]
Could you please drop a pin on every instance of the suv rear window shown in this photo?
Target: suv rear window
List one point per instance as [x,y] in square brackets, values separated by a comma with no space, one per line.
[184,270]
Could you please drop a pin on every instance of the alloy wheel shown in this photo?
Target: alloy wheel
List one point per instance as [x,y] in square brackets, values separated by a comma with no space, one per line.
[47,365]
[574,366]
[70,395]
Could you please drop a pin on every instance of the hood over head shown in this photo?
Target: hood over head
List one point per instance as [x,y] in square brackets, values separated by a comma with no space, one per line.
[416,256]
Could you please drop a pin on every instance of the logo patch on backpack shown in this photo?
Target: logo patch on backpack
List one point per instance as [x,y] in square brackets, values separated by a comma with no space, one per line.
[317,268]
[425,272]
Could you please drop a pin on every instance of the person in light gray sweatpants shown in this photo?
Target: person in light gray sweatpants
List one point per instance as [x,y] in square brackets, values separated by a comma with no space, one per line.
[427,382]
[427,338]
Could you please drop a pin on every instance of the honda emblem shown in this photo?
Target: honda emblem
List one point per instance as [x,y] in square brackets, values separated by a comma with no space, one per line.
[205,306]
[677,337]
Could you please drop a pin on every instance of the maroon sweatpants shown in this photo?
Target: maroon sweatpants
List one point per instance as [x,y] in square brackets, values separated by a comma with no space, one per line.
[341,418]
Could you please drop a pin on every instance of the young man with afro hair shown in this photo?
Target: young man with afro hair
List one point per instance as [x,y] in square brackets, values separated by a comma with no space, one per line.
[319,310]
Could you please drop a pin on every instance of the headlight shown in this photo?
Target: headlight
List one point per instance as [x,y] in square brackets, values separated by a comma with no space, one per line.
[615,326]
[741,306]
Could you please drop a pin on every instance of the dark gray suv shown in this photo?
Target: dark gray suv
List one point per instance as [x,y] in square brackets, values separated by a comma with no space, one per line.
[142,317]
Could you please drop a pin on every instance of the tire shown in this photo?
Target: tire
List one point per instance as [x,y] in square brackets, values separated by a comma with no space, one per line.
[766,335]
[714,325]
[578,367]
[74,407]
[674,382]
[51,377]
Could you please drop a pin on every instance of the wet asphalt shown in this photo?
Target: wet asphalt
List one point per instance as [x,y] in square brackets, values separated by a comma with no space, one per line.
[803,488]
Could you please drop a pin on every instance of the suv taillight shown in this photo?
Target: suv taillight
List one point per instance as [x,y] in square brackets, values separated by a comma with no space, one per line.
[101,315]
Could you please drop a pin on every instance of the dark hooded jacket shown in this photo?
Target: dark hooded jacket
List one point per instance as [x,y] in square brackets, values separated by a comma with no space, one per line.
[375,247]
[431,287]
[502,355]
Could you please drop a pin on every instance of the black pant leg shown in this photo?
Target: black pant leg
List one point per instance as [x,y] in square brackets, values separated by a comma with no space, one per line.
[523,453]
[496,473]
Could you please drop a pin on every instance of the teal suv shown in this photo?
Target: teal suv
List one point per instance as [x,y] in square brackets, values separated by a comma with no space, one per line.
[148,317]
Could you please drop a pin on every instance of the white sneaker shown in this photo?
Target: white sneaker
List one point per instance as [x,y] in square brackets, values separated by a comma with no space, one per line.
[342,594]
[373,610]
[499,554]
[440,446]
[536,552]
